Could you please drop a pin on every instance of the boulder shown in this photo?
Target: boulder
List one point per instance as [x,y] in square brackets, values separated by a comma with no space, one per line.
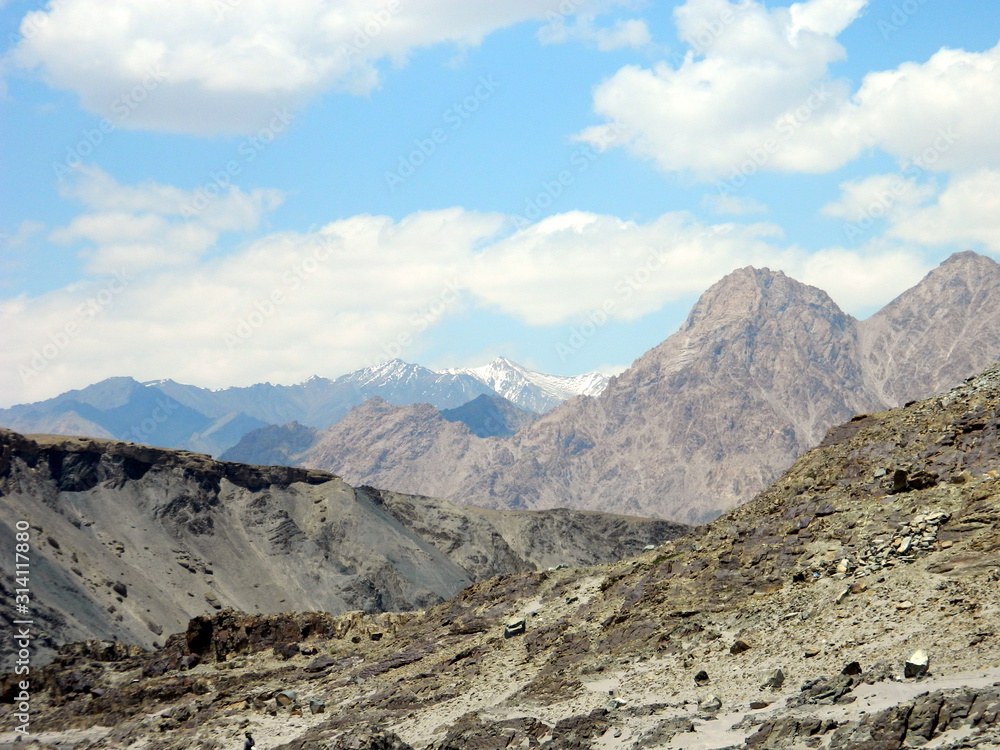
[702,678]
[852,669]
[917,665]
[513,628]
[774,680]
[710,703]
[739,647]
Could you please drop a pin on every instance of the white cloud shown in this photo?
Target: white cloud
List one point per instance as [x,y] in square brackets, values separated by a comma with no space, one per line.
[366,288]
[966,213]
[195,66]
[877,197]
[572,263]
[754,81]
[941,114]
[624,33]
[863,280]
[147,226]
[755,92]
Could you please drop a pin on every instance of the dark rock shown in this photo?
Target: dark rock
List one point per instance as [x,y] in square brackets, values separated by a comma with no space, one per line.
[899,481]
[924,717]
[852,669]
[955,709]
[917,665]
[702,678]
[286,650]
[365,740]
[320,663]
[739,647]
[514,628]
[921,480]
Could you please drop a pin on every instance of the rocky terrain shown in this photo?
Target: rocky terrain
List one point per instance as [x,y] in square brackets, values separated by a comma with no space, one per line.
[130,542]
[762,367]
[852,604]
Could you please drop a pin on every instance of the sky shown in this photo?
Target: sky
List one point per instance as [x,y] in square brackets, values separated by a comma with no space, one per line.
[226,192]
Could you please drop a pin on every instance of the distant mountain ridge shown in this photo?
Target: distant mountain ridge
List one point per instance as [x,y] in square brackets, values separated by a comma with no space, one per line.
[534,391]
[760,369]
[169,414]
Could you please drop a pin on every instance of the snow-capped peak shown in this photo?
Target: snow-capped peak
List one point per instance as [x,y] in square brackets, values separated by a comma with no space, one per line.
[533,390]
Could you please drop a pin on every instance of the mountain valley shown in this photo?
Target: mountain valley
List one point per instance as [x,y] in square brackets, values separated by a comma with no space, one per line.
[852,604]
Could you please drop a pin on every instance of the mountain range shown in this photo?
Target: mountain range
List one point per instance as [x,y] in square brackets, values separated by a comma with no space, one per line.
[852,605]
[760,369]
[168,414]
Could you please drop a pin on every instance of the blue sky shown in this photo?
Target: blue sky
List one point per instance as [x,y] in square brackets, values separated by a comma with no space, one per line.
[237,191]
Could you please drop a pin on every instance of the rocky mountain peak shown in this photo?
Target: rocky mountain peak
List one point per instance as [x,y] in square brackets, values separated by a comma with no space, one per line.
[954,309]
[965,261]
[749,294]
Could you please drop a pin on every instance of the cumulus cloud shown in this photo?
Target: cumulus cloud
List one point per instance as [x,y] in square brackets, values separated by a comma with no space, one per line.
[193,66]
[966,213]
[755,92]
[939,115]
[878,196]
[141,227]
[569,264]
[862,280]
[284,307]
[753,81]
[366,288]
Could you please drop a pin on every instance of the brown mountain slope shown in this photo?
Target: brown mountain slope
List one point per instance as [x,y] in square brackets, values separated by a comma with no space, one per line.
[937,333]
[784,624]
[129,542]
[760,369]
